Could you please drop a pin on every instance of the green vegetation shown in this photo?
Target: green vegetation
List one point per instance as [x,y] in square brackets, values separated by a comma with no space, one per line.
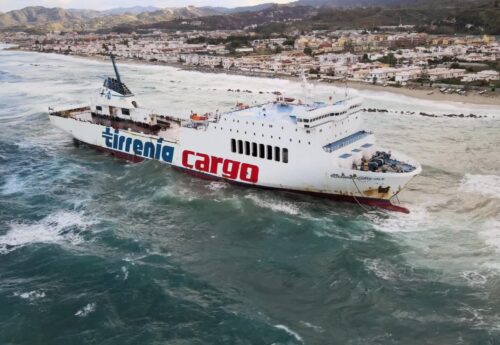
[389,59]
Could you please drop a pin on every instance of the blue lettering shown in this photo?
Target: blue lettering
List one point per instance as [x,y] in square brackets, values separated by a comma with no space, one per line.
[121,140]
[137,147]
[107,137]
[128,142]
[167,153]
[149,150]
[158,148]
[115,139]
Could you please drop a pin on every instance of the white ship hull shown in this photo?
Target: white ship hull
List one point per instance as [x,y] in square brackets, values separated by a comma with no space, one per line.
[317,148]
[205,153]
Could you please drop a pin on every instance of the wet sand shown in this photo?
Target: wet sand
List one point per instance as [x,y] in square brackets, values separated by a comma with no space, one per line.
[432,94]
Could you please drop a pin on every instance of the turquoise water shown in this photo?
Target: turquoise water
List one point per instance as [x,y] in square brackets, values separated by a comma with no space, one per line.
[94,250]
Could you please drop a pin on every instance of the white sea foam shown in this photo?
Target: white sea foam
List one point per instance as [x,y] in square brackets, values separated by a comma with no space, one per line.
[12,185]
[318,329]
[289,331]
[85,311]
[486,185]
[60,227]
[474,278]
[277,206]
[380,269]
[30,295]
[217,185]
[491,233]
[125,272]
[417,220]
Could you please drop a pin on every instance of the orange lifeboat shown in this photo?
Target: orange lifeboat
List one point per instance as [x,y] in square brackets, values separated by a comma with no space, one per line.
[242,106]
[199,118]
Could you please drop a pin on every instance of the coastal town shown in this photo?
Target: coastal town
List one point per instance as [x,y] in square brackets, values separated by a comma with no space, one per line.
[394,57]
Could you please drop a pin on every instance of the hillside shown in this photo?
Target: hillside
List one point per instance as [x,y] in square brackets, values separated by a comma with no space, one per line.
[392,3]
[474,18]
[68,19]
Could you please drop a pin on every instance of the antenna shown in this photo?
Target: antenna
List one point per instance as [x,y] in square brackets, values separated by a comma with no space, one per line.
[306,87]
[115,68]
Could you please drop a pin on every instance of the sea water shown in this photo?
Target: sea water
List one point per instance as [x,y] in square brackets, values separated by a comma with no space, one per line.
[94,250]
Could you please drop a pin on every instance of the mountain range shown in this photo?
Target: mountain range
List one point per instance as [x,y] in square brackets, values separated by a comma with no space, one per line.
[58,19]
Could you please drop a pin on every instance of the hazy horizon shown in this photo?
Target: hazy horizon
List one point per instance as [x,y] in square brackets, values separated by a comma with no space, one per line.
[9,5]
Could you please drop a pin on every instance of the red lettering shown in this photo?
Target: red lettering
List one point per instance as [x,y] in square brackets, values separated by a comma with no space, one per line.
[202,164]
[230,169]
[249,173]
[214,164]
[185,158]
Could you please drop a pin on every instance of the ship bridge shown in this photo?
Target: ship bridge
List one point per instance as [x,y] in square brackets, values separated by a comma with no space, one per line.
[303,115]
[272,111]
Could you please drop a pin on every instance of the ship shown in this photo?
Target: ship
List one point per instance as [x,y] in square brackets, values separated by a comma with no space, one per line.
[316,148]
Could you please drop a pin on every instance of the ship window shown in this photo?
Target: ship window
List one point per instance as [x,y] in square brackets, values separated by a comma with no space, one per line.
[285,156]
[254,149]
[247,148]
[233,145]
[125,111]
[276,153]
[269,152]
[98,107]
[240,146]
[262,153]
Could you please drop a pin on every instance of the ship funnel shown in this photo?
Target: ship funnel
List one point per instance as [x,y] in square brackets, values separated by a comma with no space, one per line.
[116,84]
[115,68]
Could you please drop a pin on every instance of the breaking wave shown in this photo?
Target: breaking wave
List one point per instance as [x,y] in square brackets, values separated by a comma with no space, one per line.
[277,206]
[85,311]
[60,227]
[289,331]
[486,185]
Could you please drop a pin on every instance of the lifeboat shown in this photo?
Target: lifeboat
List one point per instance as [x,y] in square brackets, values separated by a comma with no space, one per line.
[199,118]
[242,106]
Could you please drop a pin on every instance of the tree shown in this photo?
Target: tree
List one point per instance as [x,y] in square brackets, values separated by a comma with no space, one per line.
[308,51]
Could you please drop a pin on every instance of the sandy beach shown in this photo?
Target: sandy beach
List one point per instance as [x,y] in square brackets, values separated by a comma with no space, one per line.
[425,93]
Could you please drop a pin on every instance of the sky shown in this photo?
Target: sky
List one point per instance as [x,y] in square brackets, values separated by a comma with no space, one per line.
[8,5]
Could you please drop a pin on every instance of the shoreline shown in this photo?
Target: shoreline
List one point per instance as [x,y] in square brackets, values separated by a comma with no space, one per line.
[424,93]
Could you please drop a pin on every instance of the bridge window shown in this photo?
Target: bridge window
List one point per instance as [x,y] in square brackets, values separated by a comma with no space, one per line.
[262,152]
[254,149]
[98,107]
[125,111]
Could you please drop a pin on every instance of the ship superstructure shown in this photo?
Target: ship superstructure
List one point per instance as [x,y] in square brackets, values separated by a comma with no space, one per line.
[311,147]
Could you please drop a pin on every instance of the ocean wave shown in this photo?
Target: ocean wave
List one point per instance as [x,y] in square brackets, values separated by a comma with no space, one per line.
[12,185]
[380,269]
[215,186]
[485,185]
[417,220]
[60,228]
[30,295]
[289,331]
[277,206]
[491,233]
[85,311]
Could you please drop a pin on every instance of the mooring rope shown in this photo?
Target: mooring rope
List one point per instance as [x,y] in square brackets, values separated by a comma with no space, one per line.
[359,191]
